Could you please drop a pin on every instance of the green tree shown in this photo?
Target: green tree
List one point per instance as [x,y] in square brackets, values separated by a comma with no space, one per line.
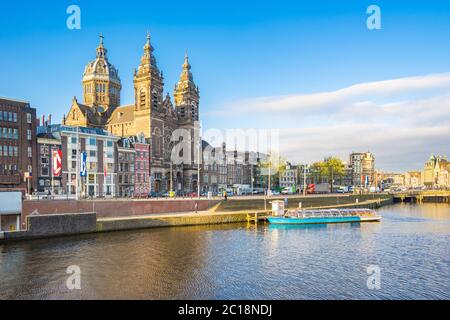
[331,168]
[277,168]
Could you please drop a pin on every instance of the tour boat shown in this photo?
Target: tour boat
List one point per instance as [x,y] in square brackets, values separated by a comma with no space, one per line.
[326,216]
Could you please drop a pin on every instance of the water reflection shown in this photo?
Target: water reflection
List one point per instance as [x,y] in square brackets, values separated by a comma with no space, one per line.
[242,261]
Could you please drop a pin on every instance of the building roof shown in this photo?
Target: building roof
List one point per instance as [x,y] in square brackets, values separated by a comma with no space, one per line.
[101,68]
[122,114]
[14,100]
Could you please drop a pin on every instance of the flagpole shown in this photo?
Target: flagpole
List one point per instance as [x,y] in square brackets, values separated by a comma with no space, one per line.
[53,172]
[78,163]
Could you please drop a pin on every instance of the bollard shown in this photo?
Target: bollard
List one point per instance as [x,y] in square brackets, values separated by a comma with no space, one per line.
[357,200]
[299,205]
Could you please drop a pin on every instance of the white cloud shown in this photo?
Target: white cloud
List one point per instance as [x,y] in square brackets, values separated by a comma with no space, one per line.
[402,121]
[382,89]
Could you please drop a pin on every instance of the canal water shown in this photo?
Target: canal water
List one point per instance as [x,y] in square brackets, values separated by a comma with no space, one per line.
[408,255]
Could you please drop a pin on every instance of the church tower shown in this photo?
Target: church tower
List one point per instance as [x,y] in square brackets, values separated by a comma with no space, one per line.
[148,90]
[187,96]
[101,82]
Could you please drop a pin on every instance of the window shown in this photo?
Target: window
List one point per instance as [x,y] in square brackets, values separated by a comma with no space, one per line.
[10,133]
[1,115]
[44,150]
[16,151]
[74,154]
[92,154]
[30,152]
[92,142]
[45,171]
[92,166]
[109,143]
[10,117]
[73,140]
[44,160]
[14,117]
[28,134]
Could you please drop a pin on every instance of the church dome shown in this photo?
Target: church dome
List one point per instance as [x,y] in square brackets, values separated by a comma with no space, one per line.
[101,68]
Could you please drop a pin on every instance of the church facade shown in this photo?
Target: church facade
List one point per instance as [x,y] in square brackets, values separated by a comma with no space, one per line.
[152,115]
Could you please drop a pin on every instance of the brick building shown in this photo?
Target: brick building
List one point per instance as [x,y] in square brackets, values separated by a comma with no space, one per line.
[142,167]
[126,168]
[18,151]
[46,144]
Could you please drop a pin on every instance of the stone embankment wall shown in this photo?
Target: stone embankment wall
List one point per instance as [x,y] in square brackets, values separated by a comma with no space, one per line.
[41,226]
[115,208]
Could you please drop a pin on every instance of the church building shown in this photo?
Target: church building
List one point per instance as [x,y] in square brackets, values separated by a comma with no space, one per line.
[152,115]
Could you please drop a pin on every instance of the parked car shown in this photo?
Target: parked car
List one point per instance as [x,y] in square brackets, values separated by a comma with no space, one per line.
[155,194]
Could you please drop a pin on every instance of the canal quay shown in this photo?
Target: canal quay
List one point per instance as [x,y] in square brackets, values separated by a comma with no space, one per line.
[409,248]
[49,218]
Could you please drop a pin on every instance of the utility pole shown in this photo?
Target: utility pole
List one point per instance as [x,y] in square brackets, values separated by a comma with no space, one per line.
[198,162]
[78,167]
[171,176]
[52,168]
[251,175]
[269,192]
[304,180]
[332,178]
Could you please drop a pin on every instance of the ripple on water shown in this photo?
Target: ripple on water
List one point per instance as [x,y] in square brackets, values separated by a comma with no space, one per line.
[411,246]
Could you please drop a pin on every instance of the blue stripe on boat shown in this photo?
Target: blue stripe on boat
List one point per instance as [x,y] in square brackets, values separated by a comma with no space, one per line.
[294,220]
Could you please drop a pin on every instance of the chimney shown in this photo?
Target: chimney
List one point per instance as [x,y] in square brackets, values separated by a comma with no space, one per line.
[49,120]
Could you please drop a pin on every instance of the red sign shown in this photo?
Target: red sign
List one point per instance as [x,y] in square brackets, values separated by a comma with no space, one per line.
[57,163]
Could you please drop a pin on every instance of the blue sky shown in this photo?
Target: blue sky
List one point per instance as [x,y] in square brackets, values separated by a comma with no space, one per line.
[240,51]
